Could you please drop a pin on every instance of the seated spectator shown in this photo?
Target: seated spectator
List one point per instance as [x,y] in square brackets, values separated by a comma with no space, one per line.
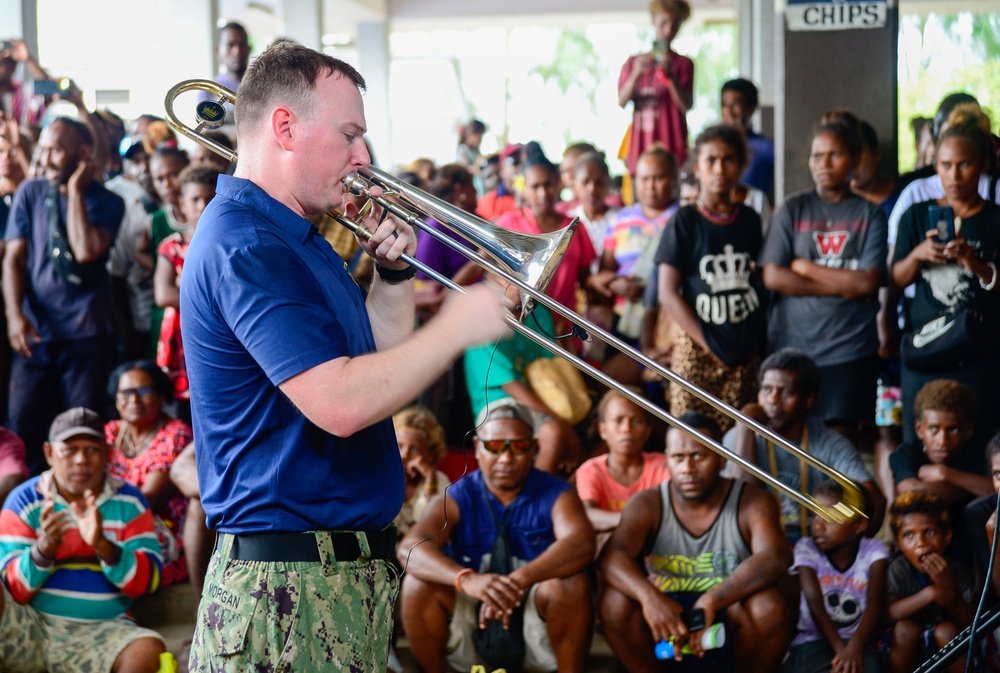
[197,189]
[981,514]
[78,546]
[788,383]
[842,606]
[13,464]
[697,541]
[488,176]
[942,461]
[497,371]
[708,283]
[145,442]
[451,587]
[421,447]
[199,540]
[945,459]
[930,594]
[605,483]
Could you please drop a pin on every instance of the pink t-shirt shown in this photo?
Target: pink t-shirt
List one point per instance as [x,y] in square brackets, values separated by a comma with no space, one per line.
[579,255]
[594,482]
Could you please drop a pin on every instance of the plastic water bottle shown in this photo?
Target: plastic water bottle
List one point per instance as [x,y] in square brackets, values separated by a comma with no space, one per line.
[711,638]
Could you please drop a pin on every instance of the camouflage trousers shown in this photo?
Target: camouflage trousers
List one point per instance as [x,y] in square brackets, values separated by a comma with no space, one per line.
[326,616]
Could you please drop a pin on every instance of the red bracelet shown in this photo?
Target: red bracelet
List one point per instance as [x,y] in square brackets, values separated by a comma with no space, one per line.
[458,577]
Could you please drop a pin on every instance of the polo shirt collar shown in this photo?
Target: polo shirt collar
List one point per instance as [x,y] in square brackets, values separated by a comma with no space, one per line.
[249,194]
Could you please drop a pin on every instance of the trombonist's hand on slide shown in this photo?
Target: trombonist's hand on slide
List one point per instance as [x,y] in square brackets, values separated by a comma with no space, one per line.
[389,240]
[479,314]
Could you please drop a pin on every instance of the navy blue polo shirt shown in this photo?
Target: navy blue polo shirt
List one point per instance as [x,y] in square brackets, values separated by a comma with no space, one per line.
[60,310]
[264,298]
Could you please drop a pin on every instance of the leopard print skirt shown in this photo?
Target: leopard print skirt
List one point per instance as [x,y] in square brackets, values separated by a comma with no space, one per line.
[735,386]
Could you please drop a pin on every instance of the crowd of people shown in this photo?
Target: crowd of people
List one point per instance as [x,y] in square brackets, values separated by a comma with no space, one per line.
[849,319]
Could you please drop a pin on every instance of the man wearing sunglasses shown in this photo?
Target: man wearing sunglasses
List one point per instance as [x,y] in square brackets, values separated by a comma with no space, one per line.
[446,555]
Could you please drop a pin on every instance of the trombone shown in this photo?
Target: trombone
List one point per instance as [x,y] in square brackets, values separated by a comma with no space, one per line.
[528,262]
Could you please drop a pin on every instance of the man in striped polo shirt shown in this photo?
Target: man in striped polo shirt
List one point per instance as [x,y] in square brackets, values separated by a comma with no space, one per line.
[76,547]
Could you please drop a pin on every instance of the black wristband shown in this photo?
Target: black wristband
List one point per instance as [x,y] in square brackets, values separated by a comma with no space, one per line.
[395,275]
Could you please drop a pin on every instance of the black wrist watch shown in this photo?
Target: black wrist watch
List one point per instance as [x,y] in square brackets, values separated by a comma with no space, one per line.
[395,275]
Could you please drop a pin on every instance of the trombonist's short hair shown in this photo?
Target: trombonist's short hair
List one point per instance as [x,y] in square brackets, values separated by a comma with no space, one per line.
[285,74]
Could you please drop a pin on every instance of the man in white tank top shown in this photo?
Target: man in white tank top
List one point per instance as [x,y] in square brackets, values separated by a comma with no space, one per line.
[710,545]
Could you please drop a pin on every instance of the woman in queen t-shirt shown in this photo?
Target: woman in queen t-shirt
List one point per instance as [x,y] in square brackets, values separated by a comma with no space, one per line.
[708,282]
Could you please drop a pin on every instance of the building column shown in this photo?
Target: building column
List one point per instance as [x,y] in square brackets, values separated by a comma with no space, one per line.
[843,64]
[373,55]
[302,21]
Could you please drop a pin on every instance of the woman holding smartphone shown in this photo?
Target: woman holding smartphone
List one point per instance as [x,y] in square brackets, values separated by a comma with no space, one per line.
[948,250]
[660,85]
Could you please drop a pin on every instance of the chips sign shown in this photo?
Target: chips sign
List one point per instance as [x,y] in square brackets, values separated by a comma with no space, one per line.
[835,14]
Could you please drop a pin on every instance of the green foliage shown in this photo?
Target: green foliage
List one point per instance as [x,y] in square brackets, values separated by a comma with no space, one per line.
[576,64]
[953,53]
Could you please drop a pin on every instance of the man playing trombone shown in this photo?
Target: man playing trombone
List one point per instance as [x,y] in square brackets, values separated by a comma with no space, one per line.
[294,373]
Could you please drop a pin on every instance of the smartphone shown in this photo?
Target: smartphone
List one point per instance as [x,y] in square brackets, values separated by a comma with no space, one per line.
[7,45]
[50,87]
[659,50]
[942,218]
[694,619]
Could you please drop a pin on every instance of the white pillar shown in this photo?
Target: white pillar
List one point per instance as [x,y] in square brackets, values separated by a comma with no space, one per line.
[373,54]
[302,21]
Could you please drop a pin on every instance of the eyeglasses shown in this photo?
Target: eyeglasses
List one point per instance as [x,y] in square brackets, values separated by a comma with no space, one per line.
[143,393]
[70,451]
[518,447]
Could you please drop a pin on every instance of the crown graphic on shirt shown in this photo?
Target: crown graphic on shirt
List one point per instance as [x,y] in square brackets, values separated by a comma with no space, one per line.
[725,272]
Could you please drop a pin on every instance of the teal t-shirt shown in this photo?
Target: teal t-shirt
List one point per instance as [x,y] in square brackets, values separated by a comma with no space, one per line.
[490,366]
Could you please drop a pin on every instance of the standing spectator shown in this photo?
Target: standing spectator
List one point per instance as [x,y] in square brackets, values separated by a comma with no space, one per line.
[825,259]
[234,57]
[541,191]
[58,308]
[15,100]
[953,279]
[78,546]
[708,283]
[197,189]
[165,166]
[470,138]
[15,155]
[131,272]
[568,199]
[660,85]
[738,103]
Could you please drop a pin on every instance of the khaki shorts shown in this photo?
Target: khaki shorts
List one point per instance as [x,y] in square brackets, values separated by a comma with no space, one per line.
[31,642]
[294,616]
[461,652]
